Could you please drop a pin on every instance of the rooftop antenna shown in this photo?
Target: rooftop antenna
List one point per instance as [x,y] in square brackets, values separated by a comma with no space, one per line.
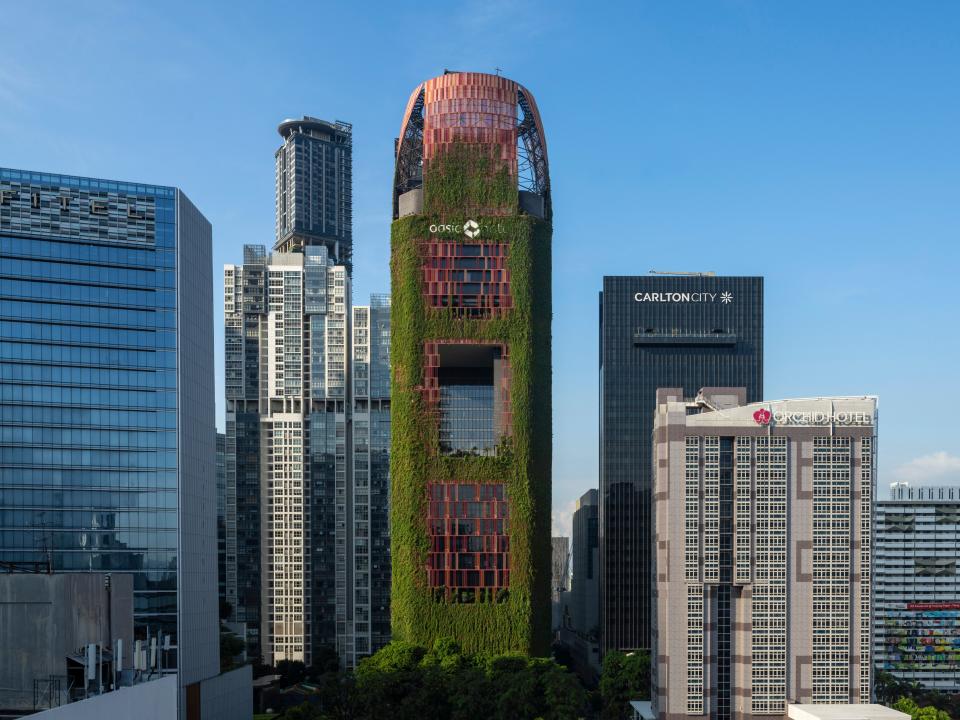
[45,547]
[498,70]
[708,273]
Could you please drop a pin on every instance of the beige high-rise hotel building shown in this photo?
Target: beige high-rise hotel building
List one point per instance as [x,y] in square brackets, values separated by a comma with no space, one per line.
[763,516]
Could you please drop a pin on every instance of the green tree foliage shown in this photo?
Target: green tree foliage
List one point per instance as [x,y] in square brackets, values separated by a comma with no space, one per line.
[907,705]
[230,647]
[563,694]
[407,682]
[891,689]
[469,178]
[291,672]
[325,660]
[624,677]
[306,711]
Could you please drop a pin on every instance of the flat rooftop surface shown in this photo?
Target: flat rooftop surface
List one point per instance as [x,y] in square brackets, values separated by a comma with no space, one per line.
[865,711]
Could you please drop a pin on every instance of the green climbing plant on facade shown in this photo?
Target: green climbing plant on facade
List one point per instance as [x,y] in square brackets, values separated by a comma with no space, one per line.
[462,180]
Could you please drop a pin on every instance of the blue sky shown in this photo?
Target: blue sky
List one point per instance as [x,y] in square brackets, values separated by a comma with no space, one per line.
[814,143]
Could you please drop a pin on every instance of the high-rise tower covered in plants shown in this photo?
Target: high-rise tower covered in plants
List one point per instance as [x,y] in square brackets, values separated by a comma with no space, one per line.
[471,412]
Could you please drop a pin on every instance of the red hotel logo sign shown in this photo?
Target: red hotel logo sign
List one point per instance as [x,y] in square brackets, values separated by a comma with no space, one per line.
[805,417]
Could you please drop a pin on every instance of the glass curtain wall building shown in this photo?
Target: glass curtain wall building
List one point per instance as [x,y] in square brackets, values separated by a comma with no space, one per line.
[107,438]
[585,581]
[221,515]
[688,331]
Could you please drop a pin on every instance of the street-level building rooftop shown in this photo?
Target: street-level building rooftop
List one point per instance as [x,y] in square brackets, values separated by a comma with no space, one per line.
[846,711]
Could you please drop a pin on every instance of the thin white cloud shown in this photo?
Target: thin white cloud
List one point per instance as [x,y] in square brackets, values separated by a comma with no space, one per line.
[483,14]
[562,525]
[15,86]
[939,468]
[504,20]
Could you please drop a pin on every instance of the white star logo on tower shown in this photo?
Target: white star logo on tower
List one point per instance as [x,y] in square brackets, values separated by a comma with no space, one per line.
[726,298]
[471,229]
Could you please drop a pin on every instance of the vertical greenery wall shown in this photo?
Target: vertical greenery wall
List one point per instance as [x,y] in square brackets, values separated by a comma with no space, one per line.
[460,184]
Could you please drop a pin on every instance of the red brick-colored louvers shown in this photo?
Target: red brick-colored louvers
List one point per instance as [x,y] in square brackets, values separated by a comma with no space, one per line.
[469,537]
[473,108]
[470,278]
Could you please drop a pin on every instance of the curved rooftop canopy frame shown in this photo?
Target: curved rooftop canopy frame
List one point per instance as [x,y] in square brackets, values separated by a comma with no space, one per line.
[409,150]
[475,108]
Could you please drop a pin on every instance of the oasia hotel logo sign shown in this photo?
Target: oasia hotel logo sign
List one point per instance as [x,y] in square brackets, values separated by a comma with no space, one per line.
[763,416]
[724,298]
[470,228]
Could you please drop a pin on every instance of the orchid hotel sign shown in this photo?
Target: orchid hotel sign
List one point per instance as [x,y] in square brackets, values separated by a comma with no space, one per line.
[787,417]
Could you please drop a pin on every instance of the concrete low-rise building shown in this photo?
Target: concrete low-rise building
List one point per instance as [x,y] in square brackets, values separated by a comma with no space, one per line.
[844,711]
[763,527]
[46,623]
[226,695]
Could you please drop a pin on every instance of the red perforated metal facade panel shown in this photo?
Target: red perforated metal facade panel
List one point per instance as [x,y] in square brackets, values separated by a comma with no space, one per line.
[469,538]
[472,279]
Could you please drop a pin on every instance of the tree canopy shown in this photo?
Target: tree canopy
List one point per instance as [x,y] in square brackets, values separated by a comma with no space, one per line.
[404,681]
[916,712]
[624,677]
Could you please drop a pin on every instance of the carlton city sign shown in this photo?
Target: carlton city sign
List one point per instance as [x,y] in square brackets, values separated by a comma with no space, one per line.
[781,417]
[683,297]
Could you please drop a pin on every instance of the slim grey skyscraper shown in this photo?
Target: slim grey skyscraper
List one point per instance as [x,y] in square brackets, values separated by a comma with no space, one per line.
[560,577]
[688,331]
[314,177]
[308,425]
[585,582]
[363,603]
[107,397]
[286,384]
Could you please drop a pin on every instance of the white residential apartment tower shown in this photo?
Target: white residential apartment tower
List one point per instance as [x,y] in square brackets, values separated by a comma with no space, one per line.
[308,418]
[307,446]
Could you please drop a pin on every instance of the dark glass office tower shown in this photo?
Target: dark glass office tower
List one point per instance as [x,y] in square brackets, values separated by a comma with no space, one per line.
[657,331]
[314,179]
[107,436]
